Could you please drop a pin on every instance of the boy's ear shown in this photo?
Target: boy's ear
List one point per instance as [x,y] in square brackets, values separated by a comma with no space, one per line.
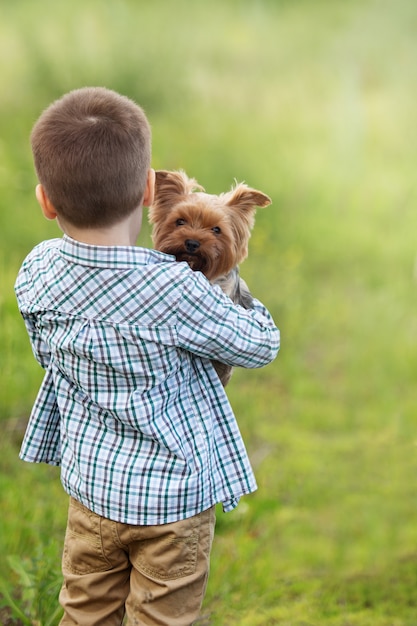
[150,189]
[46,205]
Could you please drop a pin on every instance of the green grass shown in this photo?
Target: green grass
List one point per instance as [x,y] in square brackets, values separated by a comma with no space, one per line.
[313,103]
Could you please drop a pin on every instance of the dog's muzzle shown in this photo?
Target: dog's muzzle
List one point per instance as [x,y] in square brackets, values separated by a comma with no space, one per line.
[191,245]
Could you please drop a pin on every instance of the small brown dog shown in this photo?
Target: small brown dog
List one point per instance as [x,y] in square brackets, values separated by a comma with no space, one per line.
[210,232]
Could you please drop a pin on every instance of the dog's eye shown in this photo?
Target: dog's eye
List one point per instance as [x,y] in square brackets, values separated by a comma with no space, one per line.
[216,230]
[180,222]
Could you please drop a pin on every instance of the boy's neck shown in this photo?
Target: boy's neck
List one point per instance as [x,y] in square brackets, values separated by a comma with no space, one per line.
[124,233]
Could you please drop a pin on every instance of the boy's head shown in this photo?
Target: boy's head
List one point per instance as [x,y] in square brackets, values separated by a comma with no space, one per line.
[92,153]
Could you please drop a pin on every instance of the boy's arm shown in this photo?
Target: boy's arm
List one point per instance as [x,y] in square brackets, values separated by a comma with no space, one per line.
[42,438]
[23,288]
[42,442]
[211,326]
[39,347]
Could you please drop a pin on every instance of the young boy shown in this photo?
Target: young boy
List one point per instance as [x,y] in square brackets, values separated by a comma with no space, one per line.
[130,406]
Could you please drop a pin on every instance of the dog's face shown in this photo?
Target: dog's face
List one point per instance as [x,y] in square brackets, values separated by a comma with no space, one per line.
[210,232]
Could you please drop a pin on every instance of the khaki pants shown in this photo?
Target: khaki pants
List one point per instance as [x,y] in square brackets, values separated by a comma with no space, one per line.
[156,574]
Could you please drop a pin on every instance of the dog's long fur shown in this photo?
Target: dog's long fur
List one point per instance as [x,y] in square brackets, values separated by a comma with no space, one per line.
[210,232]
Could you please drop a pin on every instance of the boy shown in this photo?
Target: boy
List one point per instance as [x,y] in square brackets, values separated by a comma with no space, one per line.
[130,406]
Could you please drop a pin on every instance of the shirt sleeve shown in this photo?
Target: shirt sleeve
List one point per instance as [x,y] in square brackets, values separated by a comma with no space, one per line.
[39,347]
[211,326]
[42,443]
[23,289]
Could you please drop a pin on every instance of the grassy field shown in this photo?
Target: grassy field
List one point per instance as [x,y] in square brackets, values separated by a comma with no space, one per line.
[313,102]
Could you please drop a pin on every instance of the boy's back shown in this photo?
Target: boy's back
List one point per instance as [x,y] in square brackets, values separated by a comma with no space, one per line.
[119,326]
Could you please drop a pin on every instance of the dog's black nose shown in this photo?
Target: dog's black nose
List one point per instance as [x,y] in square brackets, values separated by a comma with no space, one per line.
[191,245]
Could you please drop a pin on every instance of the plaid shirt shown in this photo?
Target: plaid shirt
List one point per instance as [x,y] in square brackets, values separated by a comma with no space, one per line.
[130,406]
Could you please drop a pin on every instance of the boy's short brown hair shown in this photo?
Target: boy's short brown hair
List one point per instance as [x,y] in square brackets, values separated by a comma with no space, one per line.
[92,152]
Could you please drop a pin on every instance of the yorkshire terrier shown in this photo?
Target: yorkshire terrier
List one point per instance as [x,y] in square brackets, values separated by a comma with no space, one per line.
[209,232]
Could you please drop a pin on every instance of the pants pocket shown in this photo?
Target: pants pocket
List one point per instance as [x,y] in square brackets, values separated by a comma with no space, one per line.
[83,549]
[169,551]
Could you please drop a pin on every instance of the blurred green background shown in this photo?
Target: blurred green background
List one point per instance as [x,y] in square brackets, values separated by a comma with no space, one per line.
[312,102]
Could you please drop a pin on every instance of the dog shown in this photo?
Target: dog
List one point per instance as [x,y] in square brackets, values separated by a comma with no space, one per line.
[209,232]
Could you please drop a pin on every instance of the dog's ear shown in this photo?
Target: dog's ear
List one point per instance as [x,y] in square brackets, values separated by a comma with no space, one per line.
[242,202]
[245,199]
[172,187]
